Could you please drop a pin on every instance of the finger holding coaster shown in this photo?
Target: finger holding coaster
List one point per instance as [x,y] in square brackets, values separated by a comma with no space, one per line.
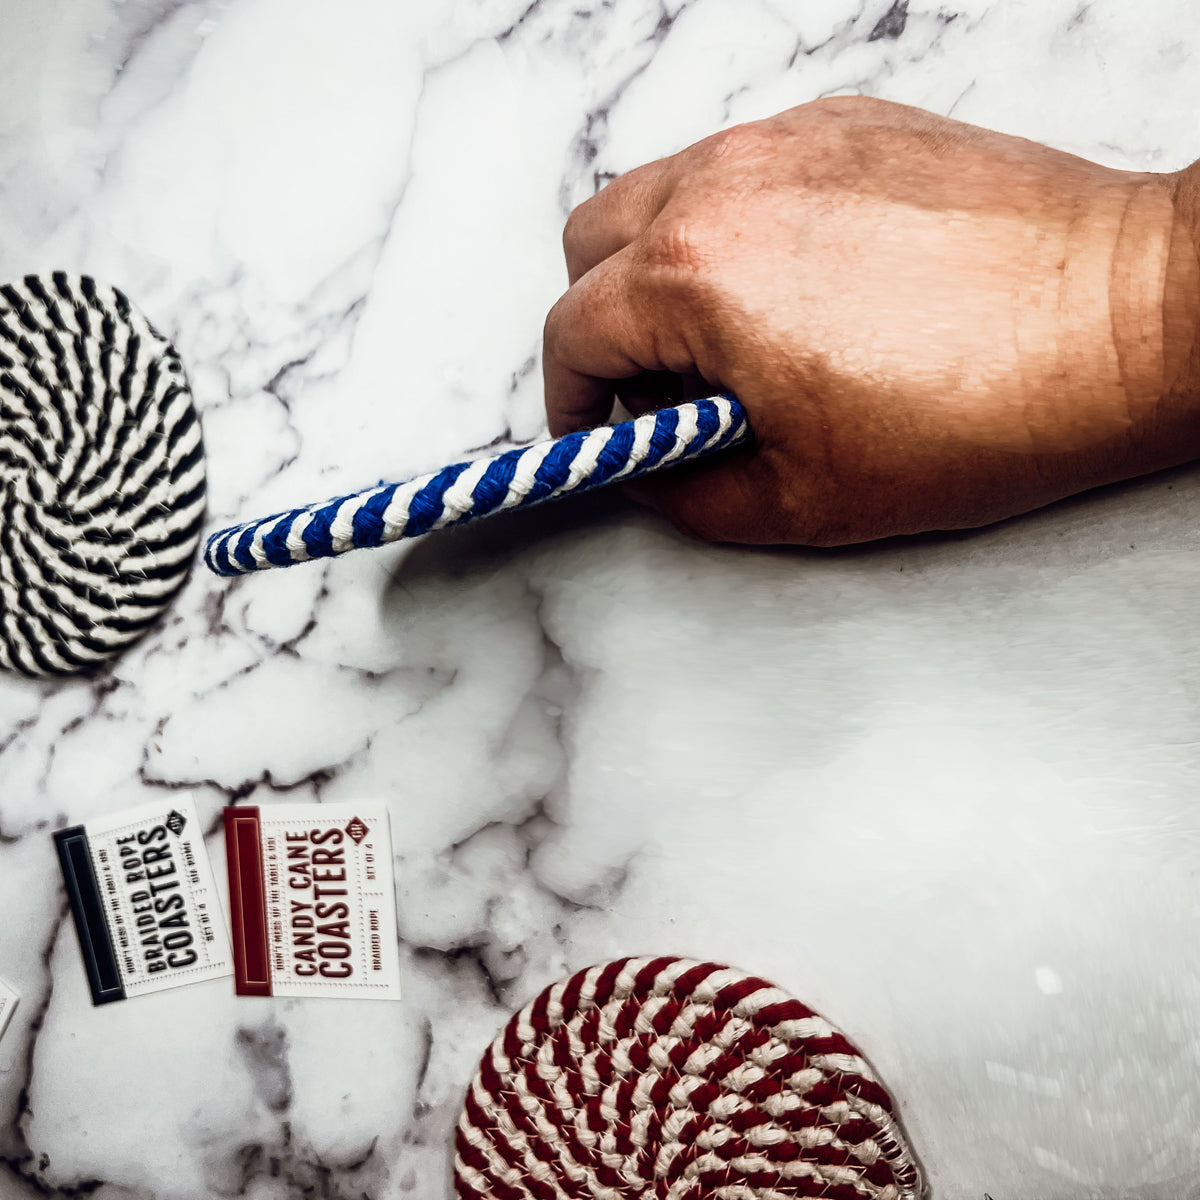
[102,480]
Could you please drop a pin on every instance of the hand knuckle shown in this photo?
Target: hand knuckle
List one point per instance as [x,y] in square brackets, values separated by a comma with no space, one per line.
[742,141]
[552,326]
[680,254]
[841,107]
[726,143]
[572,237]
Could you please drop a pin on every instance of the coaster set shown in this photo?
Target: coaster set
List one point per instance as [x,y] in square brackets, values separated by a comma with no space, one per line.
[664,1078]
[101,474]
[677,1080]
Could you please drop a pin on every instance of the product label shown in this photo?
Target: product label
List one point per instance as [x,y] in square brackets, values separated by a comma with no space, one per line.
[8,1005]
[313,901]
[144,900]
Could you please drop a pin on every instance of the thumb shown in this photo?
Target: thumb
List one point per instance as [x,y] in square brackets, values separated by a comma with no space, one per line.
[726,501]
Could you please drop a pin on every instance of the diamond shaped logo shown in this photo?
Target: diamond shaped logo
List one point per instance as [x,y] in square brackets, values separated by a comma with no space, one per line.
[357,829]
[175,822]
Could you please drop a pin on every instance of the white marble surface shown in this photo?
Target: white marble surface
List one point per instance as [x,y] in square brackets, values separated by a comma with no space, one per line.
[945,791]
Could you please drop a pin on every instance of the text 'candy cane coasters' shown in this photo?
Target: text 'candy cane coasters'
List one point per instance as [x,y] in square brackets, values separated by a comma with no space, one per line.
[312,900]
[466,491]
[678,1080]
[101,474]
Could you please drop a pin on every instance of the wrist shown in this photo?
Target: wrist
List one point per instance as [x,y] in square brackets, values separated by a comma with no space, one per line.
[1181,296]
[1154,298]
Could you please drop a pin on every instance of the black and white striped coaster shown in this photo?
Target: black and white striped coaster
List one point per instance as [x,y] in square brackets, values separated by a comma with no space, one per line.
[101,474]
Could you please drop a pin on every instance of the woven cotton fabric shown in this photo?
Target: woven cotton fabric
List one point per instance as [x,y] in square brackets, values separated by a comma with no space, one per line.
[678,1080]
[102,478]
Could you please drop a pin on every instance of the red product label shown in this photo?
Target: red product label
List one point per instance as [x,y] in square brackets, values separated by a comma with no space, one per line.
[247,902]
[312,900]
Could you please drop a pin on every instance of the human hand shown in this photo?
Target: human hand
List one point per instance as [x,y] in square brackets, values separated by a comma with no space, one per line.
[932,326]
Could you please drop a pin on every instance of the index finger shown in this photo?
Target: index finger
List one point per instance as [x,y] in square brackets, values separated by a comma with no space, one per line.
[615,216]
[593,337]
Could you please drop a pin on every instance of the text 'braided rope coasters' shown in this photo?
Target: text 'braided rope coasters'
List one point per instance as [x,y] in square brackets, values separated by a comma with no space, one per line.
[101,474]
[674,1079]
[466,491]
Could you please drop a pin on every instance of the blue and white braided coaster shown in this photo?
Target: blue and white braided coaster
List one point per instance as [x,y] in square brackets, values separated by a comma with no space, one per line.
[467,490]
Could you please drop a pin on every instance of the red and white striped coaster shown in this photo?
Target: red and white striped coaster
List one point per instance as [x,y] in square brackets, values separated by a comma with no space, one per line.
[678,1080]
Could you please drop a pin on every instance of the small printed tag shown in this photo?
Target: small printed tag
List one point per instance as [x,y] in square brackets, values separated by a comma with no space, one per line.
[8,1005]
[312,901]
[144,900]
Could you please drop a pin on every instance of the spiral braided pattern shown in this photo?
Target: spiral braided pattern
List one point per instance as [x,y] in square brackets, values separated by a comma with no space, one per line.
[677,1080]
[101,474]
[467,490]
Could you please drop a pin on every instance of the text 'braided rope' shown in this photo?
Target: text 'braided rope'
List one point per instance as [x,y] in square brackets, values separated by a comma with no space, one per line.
[468,490]
[677,1080]
[101,474]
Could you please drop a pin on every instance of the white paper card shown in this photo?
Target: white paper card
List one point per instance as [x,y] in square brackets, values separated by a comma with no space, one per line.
[8,1005]
[326,922]
[147,913]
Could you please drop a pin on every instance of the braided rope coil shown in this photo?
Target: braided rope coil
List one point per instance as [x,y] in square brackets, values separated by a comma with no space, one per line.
[678,1080]
[467,490]
[101,474]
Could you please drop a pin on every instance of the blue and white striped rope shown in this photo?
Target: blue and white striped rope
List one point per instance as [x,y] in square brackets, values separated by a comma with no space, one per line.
[466,490]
